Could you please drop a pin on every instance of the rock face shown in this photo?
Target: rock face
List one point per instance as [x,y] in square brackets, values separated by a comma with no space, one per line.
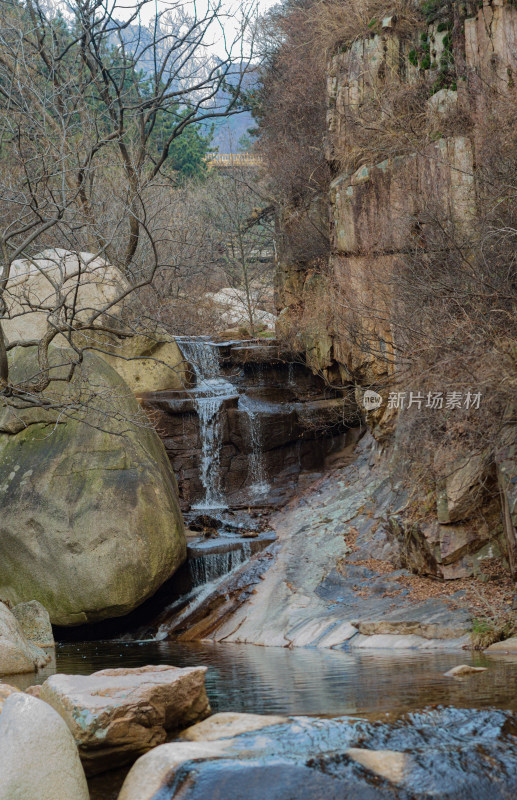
[348,321]
[90,520]
[38,756]
[34,621]
[306,758]
[17,652]
[116,715]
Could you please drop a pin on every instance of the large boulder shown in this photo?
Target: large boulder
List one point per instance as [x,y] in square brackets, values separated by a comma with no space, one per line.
[149,363]
[85,283]
[149,360]
[90,520]
[38,755]
[116,715]
[17,653]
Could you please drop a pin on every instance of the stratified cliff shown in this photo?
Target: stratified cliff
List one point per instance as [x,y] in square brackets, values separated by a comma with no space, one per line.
[417,301]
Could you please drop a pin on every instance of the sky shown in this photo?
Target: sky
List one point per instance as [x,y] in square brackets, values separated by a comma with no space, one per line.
[221,36]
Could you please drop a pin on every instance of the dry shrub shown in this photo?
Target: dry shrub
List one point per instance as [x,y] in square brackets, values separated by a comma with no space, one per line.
[292,109]
[336,23]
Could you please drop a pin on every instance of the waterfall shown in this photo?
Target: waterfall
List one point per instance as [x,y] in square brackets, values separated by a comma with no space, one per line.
[260,485]
[203,356]
[208,567]
[208,397]
[207,573]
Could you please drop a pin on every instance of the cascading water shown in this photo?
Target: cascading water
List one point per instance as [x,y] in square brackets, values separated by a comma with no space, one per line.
[203,357]
[211,566]
[260,485]
[209,396]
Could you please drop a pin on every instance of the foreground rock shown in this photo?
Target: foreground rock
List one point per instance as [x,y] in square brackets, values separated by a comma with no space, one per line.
[38,756]
[6,690]
[17,653]
[307,758]
[34,621]
[116,715]
[90,520]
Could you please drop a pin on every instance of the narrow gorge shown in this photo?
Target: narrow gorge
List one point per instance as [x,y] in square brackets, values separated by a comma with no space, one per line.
[258,401]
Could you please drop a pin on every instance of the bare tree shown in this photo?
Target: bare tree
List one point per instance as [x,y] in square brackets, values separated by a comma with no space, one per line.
[240,223]
[92,103]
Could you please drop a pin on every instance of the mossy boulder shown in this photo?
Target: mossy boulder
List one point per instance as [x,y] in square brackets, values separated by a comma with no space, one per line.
[90,523]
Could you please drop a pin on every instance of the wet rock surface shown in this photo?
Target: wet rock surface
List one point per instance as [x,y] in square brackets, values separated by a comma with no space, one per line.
[325,585]
[446,753]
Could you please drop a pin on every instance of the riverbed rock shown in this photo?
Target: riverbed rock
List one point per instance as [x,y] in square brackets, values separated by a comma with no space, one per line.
[116,715]
[389,764]
[228,724]
[147,777]
[17,653]
[90,520]
[331,580]
[463,669]
[35,622]
[506,646]
[38,755]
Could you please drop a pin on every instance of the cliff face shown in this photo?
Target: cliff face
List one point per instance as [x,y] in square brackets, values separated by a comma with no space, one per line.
[411,110]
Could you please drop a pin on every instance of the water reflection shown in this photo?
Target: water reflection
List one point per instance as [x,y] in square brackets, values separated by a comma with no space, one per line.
[303,681]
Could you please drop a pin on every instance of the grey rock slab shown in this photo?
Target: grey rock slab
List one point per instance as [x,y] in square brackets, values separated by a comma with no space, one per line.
[303,600]
[116,715]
